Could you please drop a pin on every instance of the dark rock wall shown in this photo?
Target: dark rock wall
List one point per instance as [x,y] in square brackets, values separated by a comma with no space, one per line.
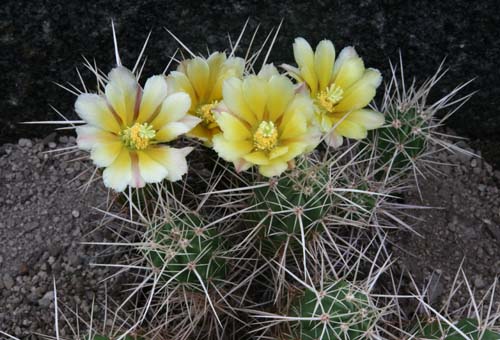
[42,42]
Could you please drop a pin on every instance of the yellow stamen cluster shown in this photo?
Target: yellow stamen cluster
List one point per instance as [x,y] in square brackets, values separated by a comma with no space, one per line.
[138,136]
[205,113]
[330,97]
[265,137]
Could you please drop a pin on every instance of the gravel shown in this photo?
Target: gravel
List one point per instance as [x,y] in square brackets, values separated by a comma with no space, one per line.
[44,217]
[462,231]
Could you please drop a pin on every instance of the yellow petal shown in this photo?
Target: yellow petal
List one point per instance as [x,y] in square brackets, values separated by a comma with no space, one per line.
[278,152]
[361,93]
[198,73]
[232,67]
[94,110]
[273,169]
[174,160]
[350,129]
[281,93]
[347,53]
[151,170]
[179,82]
[88,136]
[267,72]
[171,131]
[103,154]
[257,157]
[121,93]
[234,100]
[200,132]
[118,175]
[324,58]
[255,91]
[303,53]
[153,95]
[350,72]
[231,151]
[295,127]
[232,128]
[173,108]
[369,119]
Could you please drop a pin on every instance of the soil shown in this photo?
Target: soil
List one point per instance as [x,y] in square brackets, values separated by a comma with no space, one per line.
[44,215]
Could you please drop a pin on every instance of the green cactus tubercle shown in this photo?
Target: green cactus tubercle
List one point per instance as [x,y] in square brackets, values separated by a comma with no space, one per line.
[342,311]
[442,331]
[184,244]
[295,201]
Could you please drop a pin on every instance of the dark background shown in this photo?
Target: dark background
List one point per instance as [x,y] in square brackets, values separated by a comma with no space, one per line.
[43,41]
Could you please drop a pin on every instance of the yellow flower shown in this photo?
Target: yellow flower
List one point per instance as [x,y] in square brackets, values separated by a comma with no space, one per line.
[126,126]
[341,89]
[202,79]
[264,122]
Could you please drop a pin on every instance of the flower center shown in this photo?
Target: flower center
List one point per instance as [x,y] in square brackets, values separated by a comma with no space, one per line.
[138,136]
[330,97]
[206,114]
[266,136]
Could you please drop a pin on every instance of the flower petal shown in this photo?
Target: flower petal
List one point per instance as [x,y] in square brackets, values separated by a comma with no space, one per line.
[257,157]
[273,169]
[231,151]
[368,118]
[179,82]
[174,160]
[281,92]
[151,170]
[94,110]
[278,152]
[333,139]
[173,108]
[154,93]
[255,91]
[324,58]
[118,175]
[232,128]
[198,73]
[104,154]
[347,53]
[350,72]
[350,129]
[303,53]
[171,131]
[121,93]
[361,93]
[235,102]
[88,136]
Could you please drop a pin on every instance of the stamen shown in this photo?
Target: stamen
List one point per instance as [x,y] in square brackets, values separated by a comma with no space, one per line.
[330,97]
[266,136]
[138,136]
[205,113]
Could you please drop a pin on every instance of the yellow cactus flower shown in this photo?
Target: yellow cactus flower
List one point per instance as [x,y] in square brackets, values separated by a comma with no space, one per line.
[202,79]
[264,122]
[126,127]
[341,89]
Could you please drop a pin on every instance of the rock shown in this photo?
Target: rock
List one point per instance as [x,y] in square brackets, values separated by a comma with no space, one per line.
[24,142]
[75,213]
[8,281]
[46,299]
[479,282]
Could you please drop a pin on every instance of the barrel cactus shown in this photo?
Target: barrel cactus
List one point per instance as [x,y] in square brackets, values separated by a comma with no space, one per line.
[186,250]
[339,311]
[467,326]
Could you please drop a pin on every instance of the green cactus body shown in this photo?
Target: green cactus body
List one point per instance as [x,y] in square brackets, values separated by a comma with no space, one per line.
[300,198]
[400,143]
[342,311]
[184,244]
[469,327]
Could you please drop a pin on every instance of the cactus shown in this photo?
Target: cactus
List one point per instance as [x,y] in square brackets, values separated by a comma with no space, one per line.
[293,204]
[340,311]
[187,250]
[400,143]
[468,326]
